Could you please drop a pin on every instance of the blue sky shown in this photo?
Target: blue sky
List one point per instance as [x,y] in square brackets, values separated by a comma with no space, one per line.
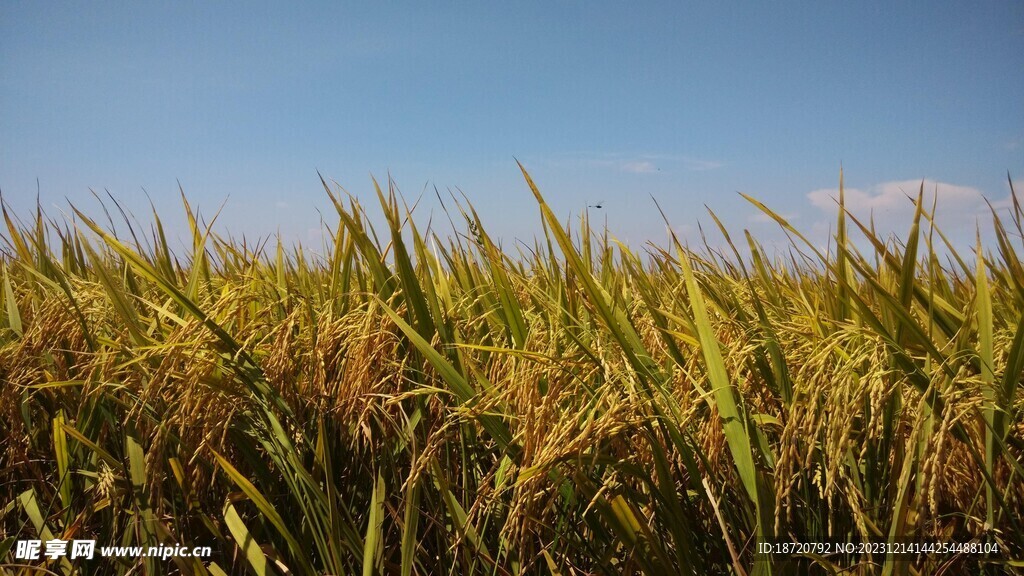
[602,102]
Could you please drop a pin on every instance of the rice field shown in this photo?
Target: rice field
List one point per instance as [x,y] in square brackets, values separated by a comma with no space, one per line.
[412,404]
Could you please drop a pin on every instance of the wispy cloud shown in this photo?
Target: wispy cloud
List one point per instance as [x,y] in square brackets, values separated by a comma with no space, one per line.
[640,167]
[641,163]
[683,162]
[698,165]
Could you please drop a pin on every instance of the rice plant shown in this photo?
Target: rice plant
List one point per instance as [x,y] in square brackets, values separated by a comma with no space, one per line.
[409,403]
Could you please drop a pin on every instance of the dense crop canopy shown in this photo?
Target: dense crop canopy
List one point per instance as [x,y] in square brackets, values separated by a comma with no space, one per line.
[412,404]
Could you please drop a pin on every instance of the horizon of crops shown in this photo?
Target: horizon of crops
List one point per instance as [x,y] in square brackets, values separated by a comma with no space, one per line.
[412,404]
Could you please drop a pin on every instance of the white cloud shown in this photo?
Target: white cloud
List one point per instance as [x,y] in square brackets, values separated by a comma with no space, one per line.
[891,203]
